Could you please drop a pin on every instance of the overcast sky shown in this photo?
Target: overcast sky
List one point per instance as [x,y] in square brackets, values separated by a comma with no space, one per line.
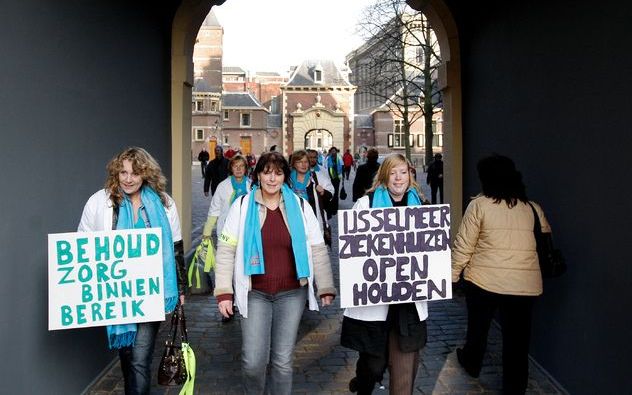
[273,35]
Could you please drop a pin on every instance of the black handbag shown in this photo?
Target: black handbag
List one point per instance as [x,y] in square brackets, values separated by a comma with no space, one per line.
[552,263]
[172,370]
[343,193]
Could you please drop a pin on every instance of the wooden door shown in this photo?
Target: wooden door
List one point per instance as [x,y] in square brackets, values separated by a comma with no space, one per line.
[245,143]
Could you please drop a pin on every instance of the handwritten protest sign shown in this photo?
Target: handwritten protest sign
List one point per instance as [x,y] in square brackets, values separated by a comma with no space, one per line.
[394,255]
[105,278]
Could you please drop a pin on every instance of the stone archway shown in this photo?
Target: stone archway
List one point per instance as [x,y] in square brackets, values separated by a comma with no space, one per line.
[318,118]
[186,24]
[444,26]
[319,139]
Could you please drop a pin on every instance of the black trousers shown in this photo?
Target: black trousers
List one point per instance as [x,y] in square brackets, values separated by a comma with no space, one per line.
[515,319]
[434,187]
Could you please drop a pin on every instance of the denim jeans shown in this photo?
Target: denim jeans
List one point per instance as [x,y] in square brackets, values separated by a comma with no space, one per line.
[269,335]
[136,360]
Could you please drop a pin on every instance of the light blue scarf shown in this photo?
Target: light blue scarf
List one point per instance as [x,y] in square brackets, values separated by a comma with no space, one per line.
[300,188]
[125,334]
[239,188]
[253,247]
[381,198]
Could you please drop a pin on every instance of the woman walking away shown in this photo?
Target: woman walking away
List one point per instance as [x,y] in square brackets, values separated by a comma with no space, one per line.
[387,335]
[495,249]
[134,197]
[308,185]
[273,273]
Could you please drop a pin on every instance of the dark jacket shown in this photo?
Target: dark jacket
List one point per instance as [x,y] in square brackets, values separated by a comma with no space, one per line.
[204,156]
[435,172]
[216,171]
[364,179]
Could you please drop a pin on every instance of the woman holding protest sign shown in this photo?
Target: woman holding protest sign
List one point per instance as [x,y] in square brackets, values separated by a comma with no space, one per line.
[306,184]
[134,197]
[495,249]
[272,253]
[387,334]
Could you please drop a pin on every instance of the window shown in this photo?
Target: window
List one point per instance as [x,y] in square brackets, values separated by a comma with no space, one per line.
[198,105]
[318,76]
[396,139]
[225,115]
[421,140]
[213,105]
[199,134]
[419,55]
[274,106]
[245,119]
[437,136]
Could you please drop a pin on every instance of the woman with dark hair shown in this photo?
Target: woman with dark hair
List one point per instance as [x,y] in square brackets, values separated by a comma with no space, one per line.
[495,249]
[307,184]
[272,253]
[387,335]
[134,197]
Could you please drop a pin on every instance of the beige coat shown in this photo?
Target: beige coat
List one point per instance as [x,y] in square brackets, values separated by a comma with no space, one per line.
[495,247]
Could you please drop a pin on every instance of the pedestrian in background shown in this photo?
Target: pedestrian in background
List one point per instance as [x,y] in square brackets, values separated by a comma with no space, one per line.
[387,335]
[306,183]
[216,171]
[334,168]
[347,160]
[495,249]
[365,174]
[273,273]
[435,178]
[134,197]
[203,157]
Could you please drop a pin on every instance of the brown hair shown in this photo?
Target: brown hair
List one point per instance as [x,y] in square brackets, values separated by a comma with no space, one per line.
[234,159]
[296,156]
[142,163]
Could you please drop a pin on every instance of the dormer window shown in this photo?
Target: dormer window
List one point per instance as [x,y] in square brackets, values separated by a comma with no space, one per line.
[318,73]
[318,76]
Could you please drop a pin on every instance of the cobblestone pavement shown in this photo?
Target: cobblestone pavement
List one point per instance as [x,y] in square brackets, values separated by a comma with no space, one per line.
[321,365]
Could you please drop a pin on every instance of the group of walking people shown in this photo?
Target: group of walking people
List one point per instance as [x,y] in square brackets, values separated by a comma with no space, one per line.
[272,261]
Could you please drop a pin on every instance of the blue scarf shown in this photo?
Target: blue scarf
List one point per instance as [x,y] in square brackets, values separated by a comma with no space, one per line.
[239,188]
[300,188]
[253,247]
[125,334]
[381,198]
[334,166]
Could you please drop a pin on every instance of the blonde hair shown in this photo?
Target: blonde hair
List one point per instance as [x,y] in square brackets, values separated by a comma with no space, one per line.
[384,172]
[142,163]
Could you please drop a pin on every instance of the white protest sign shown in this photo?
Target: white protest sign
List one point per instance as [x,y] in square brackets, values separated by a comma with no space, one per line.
[105,278]
[394,255]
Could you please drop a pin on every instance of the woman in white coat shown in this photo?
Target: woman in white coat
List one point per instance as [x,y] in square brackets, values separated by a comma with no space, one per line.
[134,197]
[387,334]
[270,259]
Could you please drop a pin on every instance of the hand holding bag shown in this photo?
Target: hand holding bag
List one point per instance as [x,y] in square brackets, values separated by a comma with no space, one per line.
[172,369]
[552,263]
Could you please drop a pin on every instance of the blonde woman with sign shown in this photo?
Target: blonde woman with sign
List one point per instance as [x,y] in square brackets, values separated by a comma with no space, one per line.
[134,197]
[387,335]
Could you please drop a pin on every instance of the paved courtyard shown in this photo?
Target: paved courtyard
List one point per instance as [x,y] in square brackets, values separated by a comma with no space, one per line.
[321,365]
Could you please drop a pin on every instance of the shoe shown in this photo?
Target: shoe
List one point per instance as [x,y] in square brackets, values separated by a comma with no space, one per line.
[461,358]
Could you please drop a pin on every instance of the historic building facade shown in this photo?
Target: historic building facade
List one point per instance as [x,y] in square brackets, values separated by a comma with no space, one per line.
[317,107]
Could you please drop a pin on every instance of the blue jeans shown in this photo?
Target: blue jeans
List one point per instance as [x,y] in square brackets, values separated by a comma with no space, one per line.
[136,360]
[269,335]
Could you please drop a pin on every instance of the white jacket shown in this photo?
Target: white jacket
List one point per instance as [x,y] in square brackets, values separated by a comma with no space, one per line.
[378,313]
[229,271]
[97,215]
[220,204]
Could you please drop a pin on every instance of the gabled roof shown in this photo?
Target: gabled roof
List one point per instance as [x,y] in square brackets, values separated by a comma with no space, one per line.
[303,75]
[233,70]
[240,100]
[202,85]
[211,20]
